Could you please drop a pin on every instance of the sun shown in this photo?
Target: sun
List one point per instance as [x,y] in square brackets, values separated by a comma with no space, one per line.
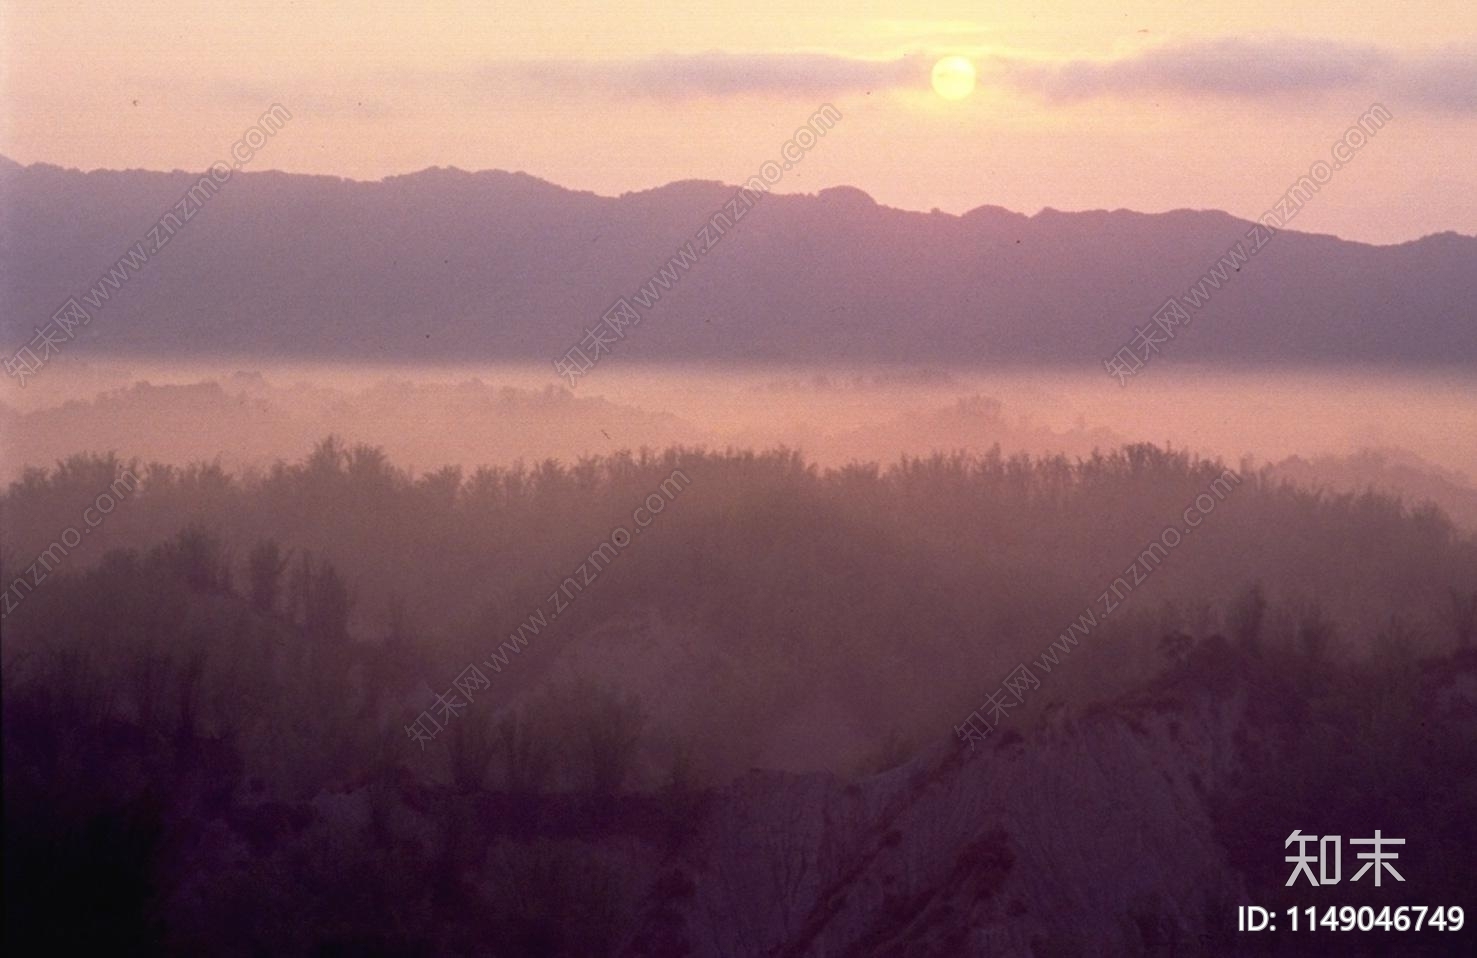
[953,78]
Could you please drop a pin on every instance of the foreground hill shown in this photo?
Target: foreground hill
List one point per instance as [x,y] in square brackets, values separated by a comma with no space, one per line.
[1131,827]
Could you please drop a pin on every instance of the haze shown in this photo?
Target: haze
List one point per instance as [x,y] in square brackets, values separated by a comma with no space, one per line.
[738,480]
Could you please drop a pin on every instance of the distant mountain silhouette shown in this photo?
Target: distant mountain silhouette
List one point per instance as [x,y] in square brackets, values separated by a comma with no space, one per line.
[445,264]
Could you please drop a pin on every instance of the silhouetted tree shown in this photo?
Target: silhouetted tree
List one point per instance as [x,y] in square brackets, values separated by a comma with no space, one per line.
[1175,647]
[472,748]
[197,556]
[526,754]
[1315,633]
[607,733]
[327,611]
[264,568]
[321,600]
[1463,616]
[1246,617]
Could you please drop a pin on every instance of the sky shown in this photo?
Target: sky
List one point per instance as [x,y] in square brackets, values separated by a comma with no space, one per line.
[1079,104]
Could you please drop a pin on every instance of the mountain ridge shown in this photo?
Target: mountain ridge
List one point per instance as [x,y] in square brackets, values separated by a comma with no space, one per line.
[498,265]
[7,164]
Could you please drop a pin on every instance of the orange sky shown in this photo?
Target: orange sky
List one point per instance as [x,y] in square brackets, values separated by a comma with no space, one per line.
[1081,104]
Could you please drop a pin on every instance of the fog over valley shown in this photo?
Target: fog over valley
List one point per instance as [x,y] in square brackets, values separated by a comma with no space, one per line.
[1343,431]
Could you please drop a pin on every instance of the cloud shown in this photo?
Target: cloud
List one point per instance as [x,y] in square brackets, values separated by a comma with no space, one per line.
[1446,80]
[1262,68]
[1265,68]
[714,74]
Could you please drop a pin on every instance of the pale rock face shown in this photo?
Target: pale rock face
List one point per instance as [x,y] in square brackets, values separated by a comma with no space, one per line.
[981,852]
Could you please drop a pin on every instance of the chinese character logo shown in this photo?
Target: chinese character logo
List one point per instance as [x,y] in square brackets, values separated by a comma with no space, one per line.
[1330,858]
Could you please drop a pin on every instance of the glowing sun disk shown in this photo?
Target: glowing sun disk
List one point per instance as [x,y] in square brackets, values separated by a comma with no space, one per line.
[953,78]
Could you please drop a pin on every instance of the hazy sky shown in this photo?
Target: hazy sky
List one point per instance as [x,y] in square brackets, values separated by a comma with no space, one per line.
[1080,104]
